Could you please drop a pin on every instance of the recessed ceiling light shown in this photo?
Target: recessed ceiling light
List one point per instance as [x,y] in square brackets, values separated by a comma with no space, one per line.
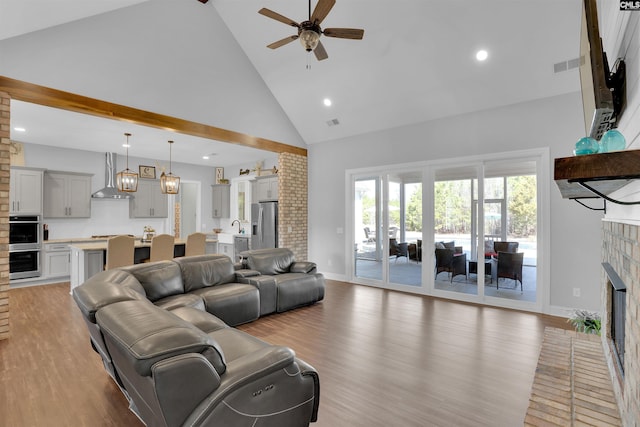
[17,129]
[205,157]
[126,145]
[327,102]
[481,55]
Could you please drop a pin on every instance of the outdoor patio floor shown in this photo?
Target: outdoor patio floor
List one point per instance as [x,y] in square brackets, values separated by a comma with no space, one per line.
[409,272]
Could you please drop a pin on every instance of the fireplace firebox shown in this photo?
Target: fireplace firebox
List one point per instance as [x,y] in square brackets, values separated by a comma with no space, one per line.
[617,314]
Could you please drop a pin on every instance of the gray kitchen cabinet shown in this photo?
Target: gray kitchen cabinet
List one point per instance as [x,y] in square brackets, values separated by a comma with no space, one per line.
[220,200]
[25,191]
[267,188]
[67,195]
[148,201]
[57,260]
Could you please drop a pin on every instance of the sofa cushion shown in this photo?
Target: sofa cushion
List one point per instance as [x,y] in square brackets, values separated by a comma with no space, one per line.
[180,300]
[205,270]
[159,279]
[202,320]
[270,261]
[146,334]
[234,303]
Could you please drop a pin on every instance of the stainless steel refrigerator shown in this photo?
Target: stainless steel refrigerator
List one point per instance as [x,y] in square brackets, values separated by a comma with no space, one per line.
[264,225]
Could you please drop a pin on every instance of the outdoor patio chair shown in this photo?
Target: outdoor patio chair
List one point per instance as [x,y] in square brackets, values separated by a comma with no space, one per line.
[398,249]
[450,261]
[510,267]
[369,235]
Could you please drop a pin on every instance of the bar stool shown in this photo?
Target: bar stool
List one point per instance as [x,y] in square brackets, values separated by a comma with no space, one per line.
[162,247]
[196,243]
[119,251]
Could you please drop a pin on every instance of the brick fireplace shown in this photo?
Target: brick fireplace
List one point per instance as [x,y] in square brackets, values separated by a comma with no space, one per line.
[621,250]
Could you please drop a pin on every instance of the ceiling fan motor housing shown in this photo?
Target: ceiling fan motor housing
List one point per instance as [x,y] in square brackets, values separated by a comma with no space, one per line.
[309,34]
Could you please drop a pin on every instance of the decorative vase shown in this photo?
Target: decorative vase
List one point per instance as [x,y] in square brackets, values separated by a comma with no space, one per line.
[147,236]
[586,145]
[612,140]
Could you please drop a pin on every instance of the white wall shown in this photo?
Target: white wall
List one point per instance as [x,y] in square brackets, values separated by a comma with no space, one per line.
[171,57]
[556,123]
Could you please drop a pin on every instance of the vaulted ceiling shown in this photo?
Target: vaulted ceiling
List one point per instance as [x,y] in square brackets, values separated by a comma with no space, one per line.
[415,63]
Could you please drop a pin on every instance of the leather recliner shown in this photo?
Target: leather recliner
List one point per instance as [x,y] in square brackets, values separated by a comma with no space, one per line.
[176,374]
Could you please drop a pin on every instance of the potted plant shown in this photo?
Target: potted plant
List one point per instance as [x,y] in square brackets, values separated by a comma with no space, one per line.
[148,233]
[585,321]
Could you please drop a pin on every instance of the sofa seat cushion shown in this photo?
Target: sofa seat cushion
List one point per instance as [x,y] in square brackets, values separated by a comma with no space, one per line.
[234,303]
[146,334]
[298,289]
[180,300]
[202,320]
[159,279]
[236,343]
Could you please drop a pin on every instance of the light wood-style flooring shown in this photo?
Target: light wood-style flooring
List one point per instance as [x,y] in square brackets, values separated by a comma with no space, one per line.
[385,359]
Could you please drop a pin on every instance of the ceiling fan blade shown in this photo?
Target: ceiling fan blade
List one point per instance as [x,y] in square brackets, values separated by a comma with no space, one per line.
[321,11]
[274,15]
[320,52]
[282,42]
[344,33]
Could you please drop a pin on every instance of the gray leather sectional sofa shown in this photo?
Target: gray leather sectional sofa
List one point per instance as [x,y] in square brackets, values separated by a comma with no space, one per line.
[162,331]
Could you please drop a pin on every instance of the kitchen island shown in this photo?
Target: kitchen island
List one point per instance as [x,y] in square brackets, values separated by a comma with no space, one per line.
[89,258]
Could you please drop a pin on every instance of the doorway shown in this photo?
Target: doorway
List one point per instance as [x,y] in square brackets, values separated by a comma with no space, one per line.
[189,203]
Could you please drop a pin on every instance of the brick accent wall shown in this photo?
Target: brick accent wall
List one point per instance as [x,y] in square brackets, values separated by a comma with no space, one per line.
[293,204]
[5,145]
[621,249]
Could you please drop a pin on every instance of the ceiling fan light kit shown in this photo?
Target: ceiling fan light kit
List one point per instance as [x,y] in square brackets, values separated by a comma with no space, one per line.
[309,32]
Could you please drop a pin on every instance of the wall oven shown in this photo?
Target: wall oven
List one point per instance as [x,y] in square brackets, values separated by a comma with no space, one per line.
[24,246]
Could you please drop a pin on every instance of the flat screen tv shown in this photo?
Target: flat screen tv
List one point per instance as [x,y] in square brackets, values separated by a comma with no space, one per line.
[602,91]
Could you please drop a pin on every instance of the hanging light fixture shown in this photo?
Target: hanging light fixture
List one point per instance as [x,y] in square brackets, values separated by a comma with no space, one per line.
[169,183]
[127,180]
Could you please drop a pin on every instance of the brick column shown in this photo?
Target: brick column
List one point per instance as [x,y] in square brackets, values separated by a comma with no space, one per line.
[5,144]
[293,204]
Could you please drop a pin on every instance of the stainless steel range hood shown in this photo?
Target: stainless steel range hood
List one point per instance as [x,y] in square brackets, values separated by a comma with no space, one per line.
[110,191]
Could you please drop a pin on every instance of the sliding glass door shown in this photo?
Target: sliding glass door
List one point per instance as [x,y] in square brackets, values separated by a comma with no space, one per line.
[367,227]
[452,253]
[388,228]
[462,230]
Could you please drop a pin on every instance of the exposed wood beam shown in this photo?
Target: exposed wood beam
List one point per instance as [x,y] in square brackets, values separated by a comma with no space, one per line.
[29,92]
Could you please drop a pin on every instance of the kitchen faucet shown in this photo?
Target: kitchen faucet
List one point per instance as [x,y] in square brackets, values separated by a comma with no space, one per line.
[239,224]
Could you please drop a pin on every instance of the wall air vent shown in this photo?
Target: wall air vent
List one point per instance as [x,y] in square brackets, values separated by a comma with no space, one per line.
[567,65]
[333,122]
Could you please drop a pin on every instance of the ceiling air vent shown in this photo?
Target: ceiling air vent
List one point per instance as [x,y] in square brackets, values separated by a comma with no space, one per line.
[333,122]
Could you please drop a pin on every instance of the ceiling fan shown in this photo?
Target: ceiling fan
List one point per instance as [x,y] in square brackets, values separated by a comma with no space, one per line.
[309,32]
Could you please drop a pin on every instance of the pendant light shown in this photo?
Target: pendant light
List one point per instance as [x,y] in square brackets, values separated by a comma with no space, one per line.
[127,180]
[169,183]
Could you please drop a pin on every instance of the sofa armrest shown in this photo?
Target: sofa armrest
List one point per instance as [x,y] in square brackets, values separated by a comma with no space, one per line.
[253,366]
[308,371]
[303,267]
[181,383]
[243,273]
